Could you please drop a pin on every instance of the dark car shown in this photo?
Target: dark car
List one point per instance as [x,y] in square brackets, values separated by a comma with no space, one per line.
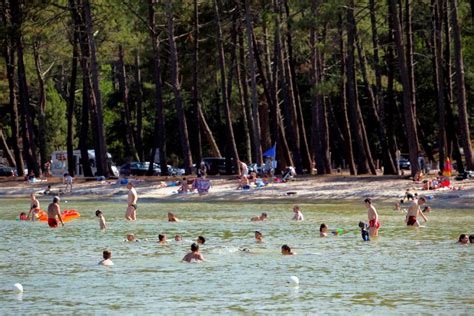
[216,165]
[6,171]
[137,168]
[404,164]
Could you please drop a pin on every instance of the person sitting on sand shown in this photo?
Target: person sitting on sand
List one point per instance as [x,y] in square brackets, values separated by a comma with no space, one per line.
[34,208]
[414,211]
[102,224]
[243,183]
[258,236]
[373,217]
[463,239]
[184,188]
[162,239]
[201,240]
[262,217]
[107,254]
[286,250]
[172,217]
[194,255]
[323,230]
[297,215]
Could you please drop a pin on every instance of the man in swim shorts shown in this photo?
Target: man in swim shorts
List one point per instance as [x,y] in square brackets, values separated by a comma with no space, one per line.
[54,213]
[194,255]
[131,212]
[373,216]
[414,211]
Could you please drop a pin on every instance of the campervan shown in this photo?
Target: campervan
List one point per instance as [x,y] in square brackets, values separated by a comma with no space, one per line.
[59,165]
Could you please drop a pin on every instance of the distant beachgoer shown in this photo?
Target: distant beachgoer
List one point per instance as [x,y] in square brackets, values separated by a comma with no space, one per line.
[132,238]
[426,209]
[471,239]
[323,230]
[34,208]
[194,255]
[100,215]
[262,217]
[258,236]
[172,217]
[463,239]
[54,213]
[201,240]
[184,188]
[107,255]
[244,169]
[131,212]
[286,250]
[201,171]
[297,216]
[48,191]
[67,179]
[162,239]
[244,183]
[178,238]
[409,196]
[373,216]
[414,211]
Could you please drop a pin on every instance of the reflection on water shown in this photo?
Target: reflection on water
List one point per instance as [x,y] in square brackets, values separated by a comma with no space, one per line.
[404,270]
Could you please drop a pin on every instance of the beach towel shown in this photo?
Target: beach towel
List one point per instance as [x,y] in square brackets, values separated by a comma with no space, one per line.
[202,185]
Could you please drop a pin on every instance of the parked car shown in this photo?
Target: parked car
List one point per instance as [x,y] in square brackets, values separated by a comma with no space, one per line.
[137,168]
[217,165]
[6,171]
[404,164]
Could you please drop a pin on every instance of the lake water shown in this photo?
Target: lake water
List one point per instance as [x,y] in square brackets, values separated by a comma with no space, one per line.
[406,270]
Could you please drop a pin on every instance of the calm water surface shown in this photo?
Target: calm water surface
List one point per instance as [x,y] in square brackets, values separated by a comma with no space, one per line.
[405,270]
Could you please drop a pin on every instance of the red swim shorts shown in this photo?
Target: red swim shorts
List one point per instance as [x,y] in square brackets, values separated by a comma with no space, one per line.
[372,223]
[52,222]
[411,220]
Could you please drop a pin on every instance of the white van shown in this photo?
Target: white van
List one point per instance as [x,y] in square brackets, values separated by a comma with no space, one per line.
[59,165]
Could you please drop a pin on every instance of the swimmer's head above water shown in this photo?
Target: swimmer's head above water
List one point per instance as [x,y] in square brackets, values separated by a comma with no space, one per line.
[286,250]
[201,240]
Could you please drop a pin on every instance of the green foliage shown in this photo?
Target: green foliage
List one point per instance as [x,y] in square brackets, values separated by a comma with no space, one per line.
[56,123]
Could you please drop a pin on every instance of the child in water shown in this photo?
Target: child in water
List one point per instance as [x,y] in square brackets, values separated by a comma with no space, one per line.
[107,254]
[364,231]
[286,250]
[258,236]
[102,224]
[23,216]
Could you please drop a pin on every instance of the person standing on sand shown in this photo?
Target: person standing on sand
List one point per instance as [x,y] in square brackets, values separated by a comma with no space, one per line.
[373,216]
[54,213]
[131,212]
[244,169]
[413,211]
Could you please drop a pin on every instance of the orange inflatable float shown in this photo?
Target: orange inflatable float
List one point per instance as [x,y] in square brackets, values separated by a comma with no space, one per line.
[66,215]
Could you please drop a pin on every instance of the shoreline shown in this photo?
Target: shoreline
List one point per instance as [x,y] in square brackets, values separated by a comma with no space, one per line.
[303,189]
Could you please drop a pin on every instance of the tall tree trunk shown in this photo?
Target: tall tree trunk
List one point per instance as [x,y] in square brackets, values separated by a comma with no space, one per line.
[197,150]
[410,122]
[41,107]
[231,147]
[345,117]
[183,128]
[461,89]
[9,54]
[159,132]
[409,53]
[97,114]
[357,124]
[6,150]
[71,103]
[215,152]
[123,87]
[255,119]
[139,108]
[29,147]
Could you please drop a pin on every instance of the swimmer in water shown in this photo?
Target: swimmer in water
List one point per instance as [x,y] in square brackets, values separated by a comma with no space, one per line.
[194,255]
[262,217]
[297,216]
[172,217]
[102,224]
[162,239]
[414,211]
[471,239]
[201,240]
[107,254]
[323,230]
[463,239]
[132,238]
[258,236]
[286,250]
[178,238]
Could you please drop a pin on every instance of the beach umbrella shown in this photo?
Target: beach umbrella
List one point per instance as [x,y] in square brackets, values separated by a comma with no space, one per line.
[448,168]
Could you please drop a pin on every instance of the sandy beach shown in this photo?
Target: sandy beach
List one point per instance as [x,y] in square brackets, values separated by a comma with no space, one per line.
[303,189]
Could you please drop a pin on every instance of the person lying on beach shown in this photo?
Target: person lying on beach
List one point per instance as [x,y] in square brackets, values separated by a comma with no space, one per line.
[102,224]
[162,239]
[414,211]
[297,215]
[463,239]
[172,217]
[194,255]
[286,250]
[262,217]
[107,254]
[258,236]
[201,240]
